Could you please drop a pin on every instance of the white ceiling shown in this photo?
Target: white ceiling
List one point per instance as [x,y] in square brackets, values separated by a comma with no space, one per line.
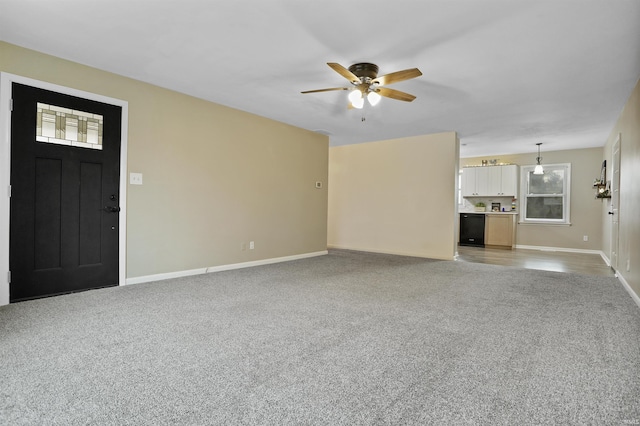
[504,74]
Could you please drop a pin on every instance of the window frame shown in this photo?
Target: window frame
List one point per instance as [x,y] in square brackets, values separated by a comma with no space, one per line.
[459,197]
[566,196]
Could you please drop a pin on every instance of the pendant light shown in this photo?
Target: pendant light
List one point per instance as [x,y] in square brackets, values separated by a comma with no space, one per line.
[538,170]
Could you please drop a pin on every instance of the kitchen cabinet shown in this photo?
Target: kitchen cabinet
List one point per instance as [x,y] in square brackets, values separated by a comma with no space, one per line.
[496,230]
[469,181]
[490,181]
[500,230]
[475,181]
[509,180]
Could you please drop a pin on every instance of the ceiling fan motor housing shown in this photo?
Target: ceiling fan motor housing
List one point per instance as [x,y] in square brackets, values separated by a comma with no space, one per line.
[364,69]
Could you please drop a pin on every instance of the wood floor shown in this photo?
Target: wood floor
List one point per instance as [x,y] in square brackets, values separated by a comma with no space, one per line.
[581,263]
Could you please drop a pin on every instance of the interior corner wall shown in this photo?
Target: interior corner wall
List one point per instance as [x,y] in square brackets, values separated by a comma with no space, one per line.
[586,213]
[213,177]
[395,196]
[628,128]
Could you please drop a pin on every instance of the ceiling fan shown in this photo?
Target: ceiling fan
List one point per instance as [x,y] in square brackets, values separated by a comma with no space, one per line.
[366,83]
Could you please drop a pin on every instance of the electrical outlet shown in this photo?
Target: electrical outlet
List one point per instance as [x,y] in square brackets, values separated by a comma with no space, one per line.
[318,185]
[585,238]
[135,178]
[251,245]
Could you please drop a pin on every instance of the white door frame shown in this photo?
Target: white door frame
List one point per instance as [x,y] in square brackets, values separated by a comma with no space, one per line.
[6,81]
[614,256]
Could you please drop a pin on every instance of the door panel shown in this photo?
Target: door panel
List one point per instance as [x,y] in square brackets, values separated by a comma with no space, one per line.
[615,204]
[47,213]
[90,213]
[62,239]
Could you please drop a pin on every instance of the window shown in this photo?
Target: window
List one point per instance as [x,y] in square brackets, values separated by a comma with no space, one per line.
[545,198]
[63,126]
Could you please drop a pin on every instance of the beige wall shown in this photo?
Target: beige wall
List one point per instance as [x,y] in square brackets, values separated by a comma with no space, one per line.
[628,127]
[395,196]
[586,212]
[214,177]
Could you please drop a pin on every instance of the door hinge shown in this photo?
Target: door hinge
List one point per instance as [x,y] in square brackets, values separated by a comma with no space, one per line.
[9,277]
[9,191]
[11,104]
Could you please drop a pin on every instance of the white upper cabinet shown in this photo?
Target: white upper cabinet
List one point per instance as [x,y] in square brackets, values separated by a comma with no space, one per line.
[510,180]
[469,181]
[490,181]
[475,181]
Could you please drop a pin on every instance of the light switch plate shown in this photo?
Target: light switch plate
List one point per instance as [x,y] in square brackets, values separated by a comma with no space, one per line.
[135,178]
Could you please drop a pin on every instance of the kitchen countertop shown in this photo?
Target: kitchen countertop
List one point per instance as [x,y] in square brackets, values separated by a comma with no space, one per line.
[471,211]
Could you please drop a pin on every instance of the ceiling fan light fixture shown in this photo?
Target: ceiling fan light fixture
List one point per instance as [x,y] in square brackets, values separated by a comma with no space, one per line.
[358,104]
[355,96]
[356,99]
[373,98]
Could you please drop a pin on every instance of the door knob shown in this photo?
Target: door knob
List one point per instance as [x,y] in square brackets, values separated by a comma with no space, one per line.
[111,209]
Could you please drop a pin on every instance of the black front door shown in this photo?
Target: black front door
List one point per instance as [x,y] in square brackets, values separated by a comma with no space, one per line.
[64,193]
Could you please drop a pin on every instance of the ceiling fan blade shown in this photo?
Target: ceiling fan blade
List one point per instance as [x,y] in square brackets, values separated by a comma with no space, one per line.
[395,94]
[326,90]
[397,76]
[344,72]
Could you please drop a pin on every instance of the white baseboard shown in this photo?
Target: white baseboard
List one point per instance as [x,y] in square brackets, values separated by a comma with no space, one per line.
[190,272]
[626,285]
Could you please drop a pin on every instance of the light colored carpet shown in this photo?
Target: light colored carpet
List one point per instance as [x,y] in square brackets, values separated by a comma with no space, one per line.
[349,338]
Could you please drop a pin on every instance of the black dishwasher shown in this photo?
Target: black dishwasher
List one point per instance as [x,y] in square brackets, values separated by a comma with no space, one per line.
[471,229]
